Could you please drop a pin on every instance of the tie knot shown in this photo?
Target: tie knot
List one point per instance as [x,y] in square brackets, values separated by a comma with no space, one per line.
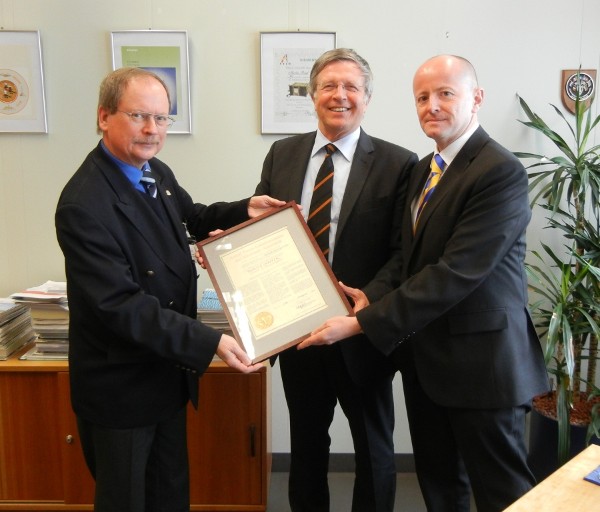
[330,149]
[438,162]
[146,172]
[148,181]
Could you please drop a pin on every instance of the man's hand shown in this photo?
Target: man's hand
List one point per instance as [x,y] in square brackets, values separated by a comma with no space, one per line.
[332,331]
[262,204]
[358,297]
[199,258]
[232,354]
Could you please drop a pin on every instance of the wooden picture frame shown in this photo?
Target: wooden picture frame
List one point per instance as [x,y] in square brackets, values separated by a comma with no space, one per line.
[273,281]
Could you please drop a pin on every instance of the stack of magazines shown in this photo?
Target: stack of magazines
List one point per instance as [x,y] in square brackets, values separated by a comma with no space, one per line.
[210,312]
[49,318]
[15,327]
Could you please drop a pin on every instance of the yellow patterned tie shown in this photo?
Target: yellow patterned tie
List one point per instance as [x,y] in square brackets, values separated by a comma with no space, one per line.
[437,168]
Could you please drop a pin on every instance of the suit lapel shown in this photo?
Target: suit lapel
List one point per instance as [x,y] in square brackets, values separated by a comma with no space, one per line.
[145,221]
[174,218]
[298,163]
[452,175]
[359,171]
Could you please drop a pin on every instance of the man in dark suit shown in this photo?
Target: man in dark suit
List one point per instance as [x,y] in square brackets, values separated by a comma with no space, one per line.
[458,326]
[136,349]
[363,249]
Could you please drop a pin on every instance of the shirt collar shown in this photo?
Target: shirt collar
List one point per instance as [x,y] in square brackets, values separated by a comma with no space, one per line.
[449,153]
[346,145]
[131,172]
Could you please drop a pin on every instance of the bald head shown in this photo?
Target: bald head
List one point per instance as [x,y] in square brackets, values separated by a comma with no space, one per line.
[447,97]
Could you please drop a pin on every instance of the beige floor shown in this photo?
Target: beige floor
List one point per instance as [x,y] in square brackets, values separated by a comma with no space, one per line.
[408,495]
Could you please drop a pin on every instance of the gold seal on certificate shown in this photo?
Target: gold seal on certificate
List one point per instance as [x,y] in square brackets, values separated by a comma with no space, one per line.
[273,281]
[263,320]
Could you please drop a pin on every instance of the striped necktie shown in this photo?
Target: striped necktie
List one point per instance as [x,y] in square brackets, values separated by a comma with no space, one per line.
[148,181]
[319,214]
[437,168]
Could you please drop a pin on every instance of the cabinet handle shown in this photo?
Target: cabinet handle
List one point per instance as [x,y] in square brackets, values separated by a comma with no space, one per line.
[69,439]
[252,431]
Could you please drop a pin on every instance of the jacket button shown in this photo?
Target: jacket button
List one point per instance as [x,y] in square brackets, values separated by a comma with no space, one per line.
[150,273]
[171,303]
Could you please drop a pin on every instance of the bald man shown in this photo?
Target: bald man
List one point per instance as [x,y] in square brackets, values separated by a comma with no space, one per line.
[458,327]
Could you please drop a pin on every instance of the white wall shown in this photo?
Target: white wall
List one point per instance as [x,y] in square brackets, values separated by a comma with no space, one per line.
[517,47]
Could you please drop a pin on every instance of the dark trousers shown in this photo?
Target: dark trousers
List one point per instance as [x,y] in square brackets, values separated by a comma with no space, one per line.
[314,379]
[456,447]
[142,469]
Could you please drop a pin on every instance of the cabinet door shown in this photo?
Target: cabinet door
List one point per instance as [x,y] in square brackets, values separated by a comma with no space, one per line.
[225,440]
[78,483]
[29,452]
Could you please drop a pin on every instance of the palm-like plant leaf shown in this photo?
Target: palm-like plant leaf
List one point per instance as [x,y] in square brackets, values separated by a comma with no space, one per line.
[566,284]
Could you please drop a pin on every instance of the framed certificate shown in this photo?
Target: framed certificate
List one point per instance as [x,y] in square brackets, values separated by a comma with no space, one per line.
[286,59]
[273,281]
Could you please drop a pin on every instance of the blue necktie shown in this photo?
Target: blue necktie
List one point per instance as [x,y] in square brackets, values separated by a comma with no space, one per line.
[437,168]
[148,181]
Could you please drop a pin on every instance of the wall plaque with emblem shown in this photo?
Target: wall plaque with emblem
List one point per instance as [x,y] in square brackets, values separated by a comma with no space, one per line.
[578,82]
[273,281]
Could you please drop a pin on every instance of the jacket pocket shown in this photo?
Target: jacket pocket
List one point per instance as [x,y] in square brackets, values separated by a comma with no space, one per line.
[478,321]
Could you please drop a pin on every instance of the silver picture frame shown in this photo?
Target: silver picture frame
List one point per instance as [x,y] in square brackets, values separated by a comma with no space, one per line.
[166,53]
[22,98]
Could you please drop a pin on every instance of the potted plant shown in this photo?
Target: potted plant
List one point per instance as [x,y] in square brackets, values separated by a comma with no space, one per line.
[565,281]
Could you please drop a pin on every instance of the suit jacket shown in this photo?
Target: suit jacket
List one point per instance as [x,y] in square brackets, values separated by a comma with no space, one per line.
[463,300]
[367,246]
[136,349]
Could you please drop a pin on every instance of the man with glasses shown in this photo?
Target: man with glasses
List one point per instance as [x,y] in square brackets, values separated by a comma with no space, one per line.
[136,349]
[359,237]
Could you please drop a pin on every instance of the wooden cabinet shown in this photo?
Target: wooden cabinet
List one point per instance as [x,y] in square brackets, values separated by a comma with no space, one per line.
[42,467]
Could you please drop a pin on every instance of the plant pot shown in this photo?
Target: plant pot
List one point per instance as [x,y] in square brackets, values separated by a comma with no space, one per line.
[543,444]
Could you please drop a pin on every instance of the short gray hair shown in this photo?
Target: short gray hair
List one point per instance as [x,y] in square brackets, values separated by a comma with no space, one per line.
[337,55]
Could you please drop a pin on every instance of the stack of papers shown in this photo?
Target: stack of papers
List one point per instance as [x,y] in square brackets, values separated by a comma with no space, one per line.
[49,309]
[210,312]
[15,327]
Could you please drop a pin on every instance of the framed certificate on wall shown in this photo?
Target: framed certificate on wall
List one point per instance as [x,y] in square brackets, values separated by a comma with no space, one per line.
[286,59]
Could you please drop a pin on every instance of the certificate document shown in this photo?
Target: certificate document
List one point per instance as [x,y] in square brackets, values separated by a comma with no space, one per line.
[273,281]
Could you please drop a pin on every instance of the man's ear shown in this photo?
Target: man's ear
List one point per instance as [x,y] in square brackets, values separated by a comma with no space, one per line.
[478,99]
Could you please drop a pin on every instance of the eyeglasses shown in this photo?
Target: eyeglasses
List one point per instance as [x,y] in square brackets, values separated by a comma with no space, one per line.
[330,87]
[143,117]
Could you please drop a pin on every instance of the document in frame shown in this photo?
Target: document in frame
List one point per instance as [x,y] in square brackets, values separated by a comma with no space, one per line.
[273,281]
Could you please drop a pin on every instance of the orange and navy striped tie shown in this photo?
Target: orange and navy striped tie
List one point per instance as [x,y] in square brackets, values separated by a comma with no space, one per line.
[437,168]
[319,215]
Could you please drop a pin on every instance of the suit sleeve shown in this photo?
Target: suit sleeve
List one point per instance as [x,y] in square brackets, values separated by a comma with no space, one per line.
[468,241]
[200,218]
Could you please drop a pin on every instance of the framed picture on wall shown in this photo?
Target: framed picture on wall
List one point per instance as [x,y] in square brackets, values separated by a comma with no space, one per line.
[22,100]
[164,52]
[286,59]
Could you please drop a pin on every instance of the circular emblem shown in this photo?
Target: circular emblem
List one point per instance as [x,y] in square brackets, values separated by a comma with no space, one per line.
[14,92]
[585,83]
[263,320]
